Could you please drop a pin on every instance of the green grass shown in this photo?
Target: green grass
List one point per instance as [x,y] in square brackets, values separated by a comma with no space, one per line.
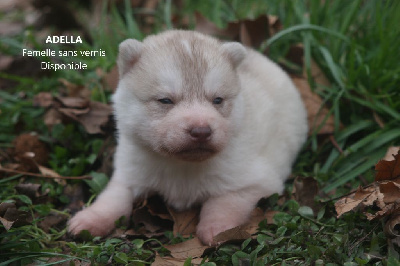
[355,43]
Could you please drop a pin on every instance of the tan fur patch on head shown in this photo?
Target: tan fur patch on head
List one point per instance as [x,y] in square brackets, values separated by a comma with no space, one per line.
[186,57]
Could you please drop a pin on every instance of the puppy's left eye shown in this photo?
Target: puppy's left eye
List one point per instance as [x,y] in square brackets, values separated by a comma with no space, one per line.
[166,101]
[218,100]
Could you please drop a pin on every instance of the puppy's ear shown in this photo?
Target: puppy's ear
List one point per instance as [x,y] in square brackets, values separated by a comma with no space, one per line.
[235,51]
[129,53]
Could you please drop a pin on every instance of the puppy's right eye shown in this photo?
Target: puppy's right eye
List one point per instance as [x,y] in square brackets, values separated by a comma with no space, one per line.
[166,101]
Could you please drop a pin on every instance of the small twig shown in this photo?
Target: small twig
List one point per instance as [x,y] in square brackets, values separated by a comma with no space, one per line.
[45,176]
[335,144]
[351,192]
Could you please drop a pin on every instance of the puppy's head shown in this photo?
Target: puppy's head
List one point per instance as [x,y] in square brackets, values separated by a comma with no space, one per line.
[178,93]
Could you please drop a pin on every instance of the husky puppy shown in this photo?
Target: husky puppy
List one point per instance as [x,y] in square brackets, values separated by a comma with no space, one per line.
[200,122]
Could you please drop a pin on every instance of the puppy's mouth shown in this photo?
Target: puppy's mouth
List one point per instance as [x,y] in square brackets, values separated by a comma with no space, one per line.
[193,154]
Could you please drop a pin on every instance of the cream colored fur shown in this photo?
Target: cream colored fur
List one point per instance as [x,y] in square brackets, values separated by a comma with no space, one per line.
[256,132]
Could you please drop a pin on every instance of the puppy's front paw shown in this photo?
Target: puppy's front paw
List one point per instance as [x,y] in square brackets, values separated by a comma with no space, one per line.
[94,222]
[207,231]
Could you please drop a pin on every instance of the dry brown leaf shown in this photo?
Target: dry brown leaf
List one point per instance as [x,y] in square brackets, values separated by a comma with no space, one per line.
[98,116]
[74,90]
[185,222]
[156,207]
[29,189]
[384,193]
[52,117]
[43,99]
[7,224]
[315,110]
[354,200]
[296,55]
[180,252]
[390,191]
[150,222]
[304,191]
[94,116]
[12,217]
[73,102]
[235,233]
[153,215]
[254,32]
[190,248]
[167,261]
[389,156]
[387,170]
[48,172]
[110,79]
[30,150]
[247,230]
[392,226]
[53,220]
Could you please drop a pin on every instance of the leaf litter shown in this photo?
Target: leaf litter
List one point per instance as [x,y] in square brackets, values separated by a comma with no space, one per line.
[381,199]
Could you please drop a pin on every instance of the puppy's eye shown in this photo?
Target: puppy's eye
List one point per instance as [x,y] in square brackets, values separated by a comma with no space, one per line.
[218,100]
[166,101]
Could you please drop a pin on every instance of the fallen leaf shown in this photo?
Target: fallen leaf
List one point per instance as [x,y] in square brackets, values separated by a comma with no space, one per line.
[43,99]
[73,102]
[389,156]
[232,234]
[304,191]
[7,224]
[390,191]
[167,261]
[12,217]
[386,170]
[48,172]
[97,117]
[110,79]
[248,229]
[93,118]
[254,32]
[153,215]
[30,150]
[191,248]
[52,117]
[354,200]
[384,193]
[76,91]
[185,222]
[317,113]
[52,220]
[392,226]
[29,189]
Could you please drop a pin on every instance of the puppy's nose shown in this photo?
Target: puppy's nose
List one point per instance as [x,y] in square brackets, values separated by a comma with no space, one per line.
[200,133]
